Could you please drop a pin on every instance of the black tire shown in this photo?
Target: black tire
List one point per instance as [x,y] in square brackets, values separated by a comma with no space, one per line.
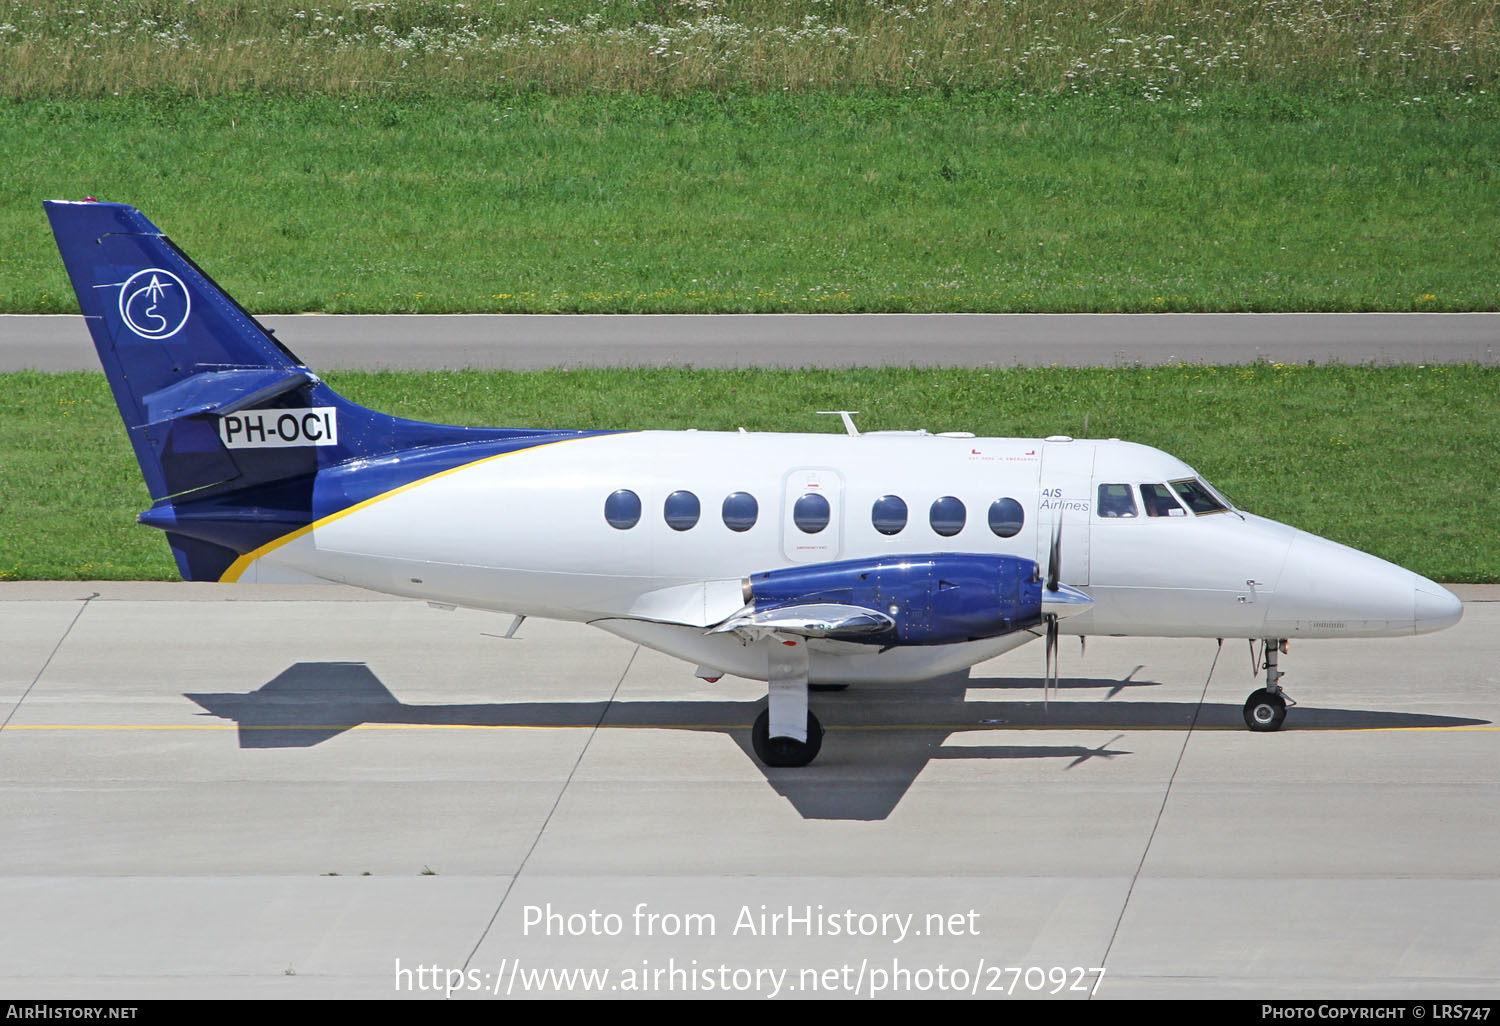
[783,751]
[1264,712]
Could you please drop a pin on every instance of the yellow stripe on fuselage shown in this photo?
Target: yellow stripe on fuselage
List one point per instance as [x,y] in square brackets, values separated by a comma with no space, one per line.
[240,565]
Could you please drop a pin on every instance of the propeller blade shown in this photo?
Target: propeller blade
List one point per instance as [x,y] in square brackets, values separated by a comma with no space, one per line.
[1054,585]
[1054,557]
[1057,655]
[1052,661]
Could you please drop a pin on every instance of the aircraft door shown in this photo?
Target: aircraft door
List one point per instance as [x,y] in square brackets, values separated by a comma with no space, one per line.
[812,514]
[1066,497]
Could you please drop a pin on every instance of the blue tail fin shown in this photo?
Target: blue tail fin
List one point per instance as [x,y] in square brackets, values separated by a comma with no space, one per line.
[238,441]
[173,345]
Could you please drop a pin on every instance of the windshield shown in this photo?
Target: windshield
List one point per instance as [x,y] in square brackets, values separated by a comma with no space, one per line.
[1197,496]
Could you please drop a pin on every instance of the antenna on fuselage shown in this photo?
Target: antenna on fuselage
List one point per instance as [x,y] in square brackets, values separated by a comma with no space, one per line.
[848,418]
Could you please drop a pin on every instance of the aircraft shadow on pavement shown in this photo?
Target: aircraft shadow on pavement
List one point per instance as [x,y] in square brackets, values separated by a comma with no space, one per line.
[880,738]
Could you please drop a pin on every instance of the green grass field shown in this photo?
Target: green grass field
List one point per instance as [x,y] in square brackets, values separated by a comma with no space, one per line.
[1398,461]
[485,48]
[738,155]
[990,202]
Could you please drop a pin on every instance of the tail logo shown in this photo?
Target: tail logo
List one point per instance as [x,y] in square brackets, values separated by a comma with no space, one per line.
[154,303]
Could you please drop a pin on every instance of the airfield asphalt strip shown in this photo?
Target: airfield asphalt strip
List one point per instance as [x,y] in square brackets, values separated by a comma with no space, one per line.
[527,342]
[249,791]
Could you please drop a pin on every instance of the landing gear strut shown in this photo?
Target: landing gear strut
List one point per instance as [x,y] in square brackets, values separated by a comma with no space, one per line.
[1265,709]
[786,733]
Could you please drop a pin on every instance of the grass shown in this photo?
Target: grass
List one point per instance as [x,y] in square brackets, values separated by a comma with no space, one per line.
[486,48]
[973,202]
[744,155]
[1398,461]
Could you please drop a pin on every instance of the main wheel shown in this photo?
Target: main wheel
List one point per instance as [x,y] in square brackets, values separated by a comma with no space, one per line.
[784,751]
[1264,711]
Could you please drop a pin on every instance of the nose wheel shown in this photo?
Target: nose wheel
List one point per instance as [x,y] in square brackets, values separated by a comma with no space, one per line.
[1265,709]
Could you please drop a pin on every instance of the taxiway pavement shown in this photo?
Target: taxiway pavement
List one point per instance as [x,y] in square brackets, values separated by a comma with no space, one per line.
[526,342]
[244,791]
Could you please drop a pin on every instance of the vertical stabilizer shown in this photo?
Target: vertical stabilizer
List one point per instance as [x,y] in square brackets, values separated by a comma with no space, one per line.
[240,444]
[174,346]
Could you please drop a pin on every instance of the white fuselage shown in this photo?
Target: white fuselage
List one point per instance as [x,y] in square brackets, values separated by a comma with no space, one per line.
[527,533]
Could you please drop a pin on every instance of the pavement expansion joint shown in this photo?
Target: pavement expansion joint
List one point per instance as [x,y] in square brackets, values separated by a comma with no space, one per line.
[582,751]
[84,604]
[1166,796]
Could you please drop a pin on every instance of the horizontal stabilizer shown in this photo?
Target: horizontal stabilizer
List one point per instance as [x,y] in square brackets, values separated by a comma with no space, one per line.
[223,392]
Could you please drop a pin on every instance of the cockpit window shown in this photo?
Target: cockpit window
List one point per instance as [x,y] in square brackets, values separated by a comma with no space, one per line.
[1197,496]
[1157,498]
[1116,500]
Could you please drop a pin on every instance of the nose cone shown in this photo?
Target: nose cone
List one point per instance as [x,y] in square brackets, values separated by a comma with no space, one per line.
[1434,607]
[1328,590]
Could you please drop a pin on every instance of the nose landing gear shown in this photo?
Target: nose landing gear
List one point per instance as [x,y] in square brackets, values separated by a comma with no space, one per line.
[1265,709]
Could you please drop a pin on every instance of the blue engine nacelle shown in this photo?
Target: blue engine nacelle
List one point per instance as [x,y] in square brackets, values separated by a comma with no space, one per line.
[932,599]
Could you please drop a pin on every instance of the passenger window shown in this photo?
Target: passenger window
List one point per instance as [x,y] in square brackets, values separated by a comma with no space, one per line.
[1006,517]
[740,511]
[1157,498]
[889,514]
[810,514]
[681,510]
[947,516]
[1197,497]
[622,510]
[1116,500]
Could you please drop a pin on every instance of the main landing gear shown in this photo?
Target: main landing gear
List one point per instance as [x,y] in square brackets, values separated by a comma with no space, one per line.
[786,733]
[1265,709]
[785,751]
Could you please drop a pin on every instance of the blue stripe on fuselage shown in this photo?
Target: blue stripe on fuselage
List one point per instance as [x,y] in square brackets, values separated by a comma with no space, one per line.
[236,522]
